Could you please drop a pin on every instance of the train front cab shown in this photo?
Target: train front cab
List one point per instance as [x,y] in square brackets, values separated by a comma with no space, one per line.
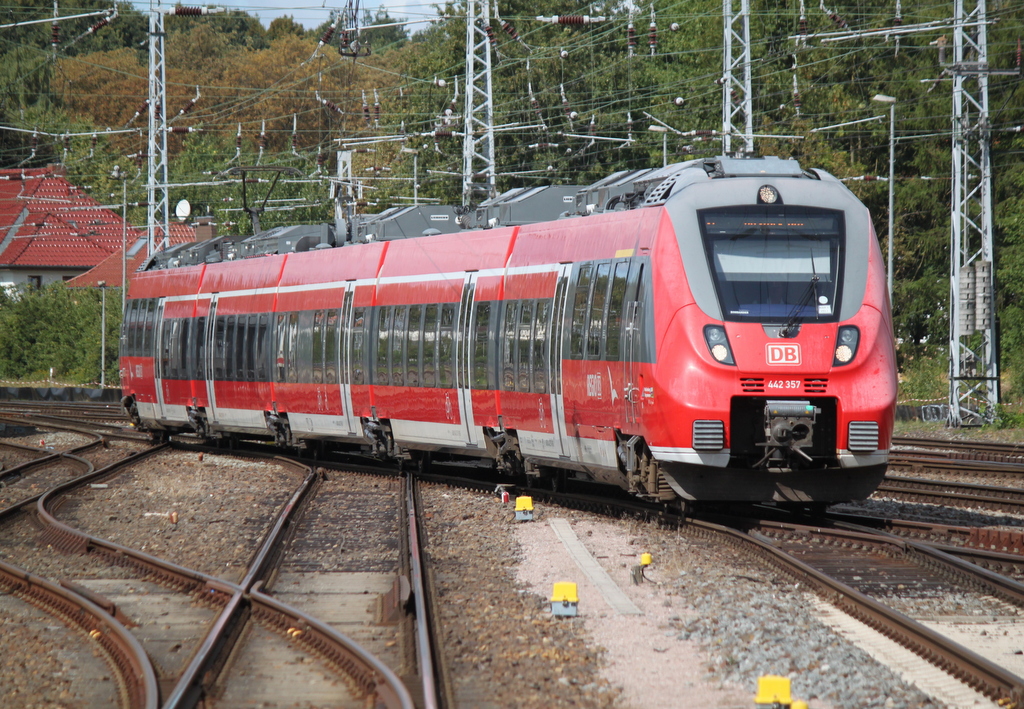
[775,373]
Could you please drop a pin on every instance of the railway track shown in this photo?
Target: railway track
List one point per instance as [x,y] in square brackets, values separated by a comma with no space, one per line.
[157,587]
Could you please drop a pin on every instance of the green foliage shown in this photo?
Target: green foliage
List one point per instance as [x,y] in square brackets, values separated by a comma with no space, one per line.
[251,77]
[924,377]
[57,329]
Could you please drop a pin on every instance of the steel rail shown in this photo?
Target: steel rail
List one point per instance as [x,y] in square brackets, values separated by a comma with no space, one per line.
[967,666]
[370,676]
[135,673]
[1008,499]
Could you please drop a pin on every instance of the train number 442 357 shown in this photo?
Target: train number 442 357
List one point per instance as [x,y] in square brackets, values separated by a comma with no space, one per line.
[783,384]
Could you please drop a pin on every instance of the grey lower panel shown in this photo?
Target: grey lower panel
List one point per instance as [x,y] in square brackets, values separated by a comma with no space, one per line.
[697,482]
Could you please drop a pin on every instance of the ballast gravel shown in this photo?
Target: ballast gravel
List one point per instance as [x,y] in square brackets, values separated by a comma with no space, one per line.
[207,512]
[712,622]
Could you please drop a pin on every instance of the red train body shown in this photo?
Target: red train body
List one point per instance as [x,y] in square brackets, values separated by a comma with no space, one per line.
[726,337]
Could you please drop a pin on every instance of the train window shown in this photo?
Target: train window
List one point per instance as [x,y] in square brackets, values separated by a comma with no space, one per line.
[165,335]
[241,349]
[345,340]
[261,348]
[358,346]
[383,334]
[508,349]
[281,335]
[578,334]
[612,345]
[413,343]
[525,340]
[318,346]
[429,345]
[595,333]
[137,332]
[147,342]
[481,340]
[331,335]
[177,332]
[231,353]
[401,317]
[200,348]
[541,327]
[249,363]
[300,347]
[445,350]
[128,329]
[219,328]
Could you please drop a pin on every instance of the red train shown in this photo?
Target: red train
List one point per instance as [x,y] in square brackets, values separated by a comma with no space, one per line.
[712,330]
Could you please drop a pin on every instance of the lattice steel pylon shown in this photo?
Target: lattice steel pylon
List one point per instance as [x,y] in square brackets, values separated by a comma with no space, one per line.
[737,100]
[478,170]
[973,366]
[158,209]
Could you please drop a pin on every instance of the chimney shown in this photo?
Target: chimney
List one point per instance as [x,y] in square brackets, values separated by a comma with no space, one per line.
[205,228]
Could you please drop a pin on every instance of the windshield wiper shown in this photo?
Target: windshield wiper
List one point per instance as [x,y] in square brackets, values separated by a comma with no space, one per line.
[812,290]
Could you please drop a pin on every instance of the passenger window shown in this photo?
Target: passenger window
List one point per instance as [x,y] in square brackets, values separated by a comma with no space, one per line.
[383,349]
[525,340]
[429,345]
[444,345]
[613,341]
[595,333]
[358,346]
[541,327]
[292,358]
[218,349]
[318,347]
[398,346]
[165,350]
[412,346]
[200,338]
[331,336]
[229,348]
[261,348]
[147,344]
[508,364]
[579,312]
[128,329]
[281,334]
[480,346]
[241,333]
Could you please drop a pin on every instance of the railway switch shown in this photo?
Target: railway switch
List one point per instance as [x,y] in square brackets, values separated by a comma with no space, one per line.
[564,601]
[524,509]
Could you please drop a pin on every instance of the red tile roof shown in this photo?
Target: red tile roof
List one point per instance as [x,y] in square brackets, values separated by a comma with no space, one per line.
[47,222]
[109,270]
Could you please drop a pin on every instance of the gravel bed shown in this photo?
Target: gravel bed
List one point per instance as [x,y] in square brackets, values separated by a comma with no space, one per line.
[931,514]
[44,663]
[44,439]
[724,614]
[503,647]
[37,481]
[19,545]
[224,507]
[350,525]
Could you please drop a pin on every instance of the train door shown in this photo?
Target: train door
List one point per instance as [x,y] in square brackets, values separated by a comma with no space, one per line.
[159,360]
[558,316]
[464,359]
[345,354]
[214,364]
[632,344]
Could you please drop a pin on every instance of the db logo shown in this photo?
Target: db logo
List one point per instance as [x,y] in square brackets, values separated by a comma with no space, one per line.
[788,355]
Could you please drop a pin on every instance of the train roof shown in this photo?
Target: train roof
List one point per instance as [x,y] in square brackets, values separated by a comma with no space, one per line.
[627,189]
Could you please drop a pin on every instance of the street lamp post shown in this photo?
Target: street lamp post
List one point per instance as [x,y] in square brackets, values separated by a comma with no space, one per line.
[123,177]
[103,333]
[664,142]
[881,98]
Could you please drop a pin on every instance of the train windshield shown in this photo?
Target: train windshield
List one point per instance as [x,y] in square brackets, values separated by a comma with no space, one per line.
[775,263]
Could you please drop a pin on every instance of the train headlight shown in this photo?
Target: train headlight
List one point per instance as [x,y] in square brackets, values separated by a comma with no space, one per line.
[766,194]
[718,344]
[846,345]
